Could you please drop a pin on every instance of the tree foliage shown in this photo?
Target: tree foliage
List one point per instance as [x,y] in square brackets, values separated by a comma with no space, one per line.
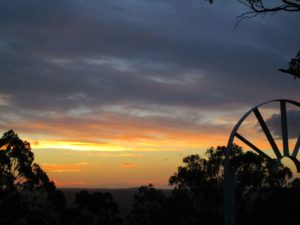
[148,207]
[17,170]
[95,208]
[294,66]
[197,194]
[252,171]
[98,207]
[16,161]
[27,195]
[201,180]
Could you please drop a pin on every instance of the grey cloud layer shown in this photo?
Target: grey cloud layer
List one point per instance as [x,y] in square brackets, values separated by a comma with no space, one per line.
[60,55]
[293,124]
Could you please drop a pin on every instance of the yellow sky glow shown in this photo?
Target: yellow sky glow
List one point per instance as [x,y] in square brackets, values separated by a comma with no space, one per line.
[76,145]
[123,151]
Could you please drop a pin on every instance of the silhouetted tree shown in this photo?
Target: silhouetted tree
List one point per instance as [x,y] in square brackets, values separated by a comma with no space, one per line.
[16,160]
[148,207]
[153,207]
[27,196]
[198,186]
[277,206]
[183,209]
[93,209]
[202,178]
[294,66]
[197,195]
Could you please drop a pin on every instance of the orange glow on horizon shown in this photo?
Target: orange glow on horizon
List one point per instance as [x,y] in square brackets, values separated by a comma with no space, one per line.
[173,141]
[75,145]
[62,168]
[120,150]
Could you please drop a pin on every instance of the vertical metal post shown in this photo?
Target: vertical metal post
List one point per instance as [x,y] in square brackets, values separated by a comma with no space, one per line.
[229,177]
[284,128]
[229,191]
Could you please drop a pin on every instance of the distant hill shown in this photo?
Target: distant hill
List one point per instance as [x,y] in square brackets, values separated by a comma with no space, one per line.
[123,196]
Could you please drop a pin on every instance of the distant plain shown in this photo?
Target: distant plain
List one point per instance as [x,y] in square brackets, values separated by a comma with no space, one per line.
[124,197]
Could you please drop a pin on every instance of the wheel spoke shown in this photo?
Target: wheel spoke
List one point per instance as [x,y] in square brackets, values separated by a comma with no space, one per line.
[297,146]
[284,129]
[267,133]
[252,146]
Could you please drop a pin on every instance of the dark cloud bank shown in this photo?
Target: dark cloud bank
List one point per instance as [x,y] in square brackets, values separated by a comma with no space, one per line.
[61,55]
[293,124]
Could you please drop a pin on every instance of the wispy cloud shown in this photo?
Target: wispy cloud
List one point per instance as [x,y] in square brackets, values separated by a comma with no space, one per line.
[293,117]
[64,168]
[63,184]
[127,165]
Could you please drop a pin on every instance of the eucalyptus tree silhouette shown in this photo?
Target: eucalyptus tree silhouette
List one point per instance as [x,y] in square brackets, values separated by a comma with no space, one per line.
[95,208]
[148,207]
[27,196]
[197,194]
[253,171]
[294,66]
[202,180]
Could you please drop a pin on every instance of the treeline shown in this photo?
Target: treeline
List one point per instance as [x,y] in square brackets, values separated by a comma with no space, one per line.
[264,194]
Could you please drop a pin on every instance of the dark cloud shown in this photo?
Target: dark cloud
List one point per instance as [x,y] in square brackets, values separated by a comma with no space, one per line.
[60,55]
[293,124]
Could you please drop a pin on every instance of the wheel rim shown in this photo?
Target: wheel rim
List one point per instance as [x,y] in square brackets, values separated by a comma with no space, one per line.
[285,151]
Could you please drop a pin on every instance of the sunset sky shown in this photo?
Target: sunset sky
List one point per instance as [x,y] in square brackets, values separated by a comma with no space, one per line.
[114,93]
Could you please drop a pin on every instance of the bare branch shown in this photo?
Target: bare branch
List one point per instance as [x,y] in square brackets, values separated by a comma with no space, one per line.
[258,6]
[246,15]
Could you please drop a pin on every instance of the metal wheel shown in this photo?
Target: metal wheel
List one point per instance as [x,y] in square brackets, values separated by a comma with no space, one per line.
[279,153]
[229,186]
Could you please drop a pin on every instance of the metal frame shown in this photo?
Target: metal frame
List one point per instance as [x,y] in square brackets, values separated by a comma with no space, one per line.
[229,177]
